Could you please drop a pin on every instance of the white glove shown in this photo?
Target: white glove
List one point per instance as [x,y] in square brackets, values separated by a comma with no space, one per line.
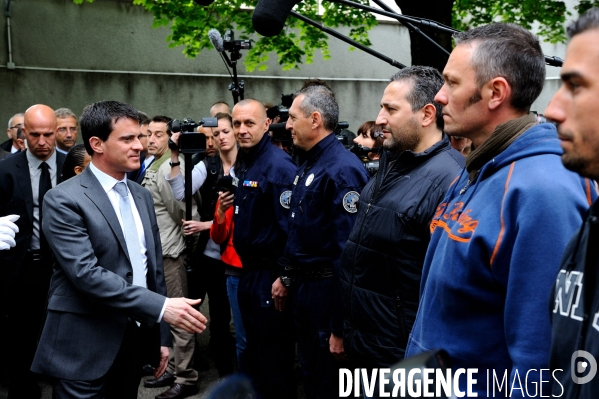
[8,229]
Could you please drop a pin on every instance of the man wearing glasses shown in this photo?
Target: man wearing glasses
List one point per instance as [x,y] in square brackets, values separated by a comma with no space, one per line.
[14,124]
[66,130]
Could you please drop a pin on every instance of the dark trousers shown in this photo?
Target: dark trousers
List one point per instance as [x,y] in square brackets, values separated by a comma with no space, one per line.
[122,379]
[312,312]
[25,314]
[269,355]
[209,279]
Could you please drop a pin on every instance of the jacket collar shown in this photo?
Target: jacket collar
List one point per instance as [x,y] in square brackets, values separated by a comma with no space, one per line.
[254,152]
[315,152]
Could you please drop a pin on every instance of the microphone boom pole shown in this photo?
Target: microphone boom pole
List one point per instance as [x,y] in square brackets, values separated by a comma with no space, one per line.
[346,39]
[549,60]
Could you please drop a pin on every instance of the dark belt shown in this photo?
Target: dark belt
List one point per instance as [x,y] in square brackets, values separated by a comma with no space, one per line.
[313,273]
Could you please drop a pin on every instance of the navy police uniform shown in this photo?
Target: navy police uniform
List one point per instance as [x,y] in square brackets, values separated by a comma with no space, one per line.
[264,176]
[322,213]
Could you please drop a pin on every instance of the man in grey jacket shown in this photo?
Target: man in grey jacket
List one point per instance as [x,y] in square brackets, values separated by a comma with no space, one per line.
[107,305]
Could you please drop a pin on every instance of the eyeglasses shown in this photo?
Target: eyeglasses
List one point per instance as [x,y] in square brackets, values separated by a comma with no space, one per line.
[18,125]
[65,129]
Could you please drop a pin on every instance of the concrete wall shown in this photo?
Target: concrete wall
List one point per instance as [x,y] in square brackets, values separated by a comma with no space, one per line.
[69,55]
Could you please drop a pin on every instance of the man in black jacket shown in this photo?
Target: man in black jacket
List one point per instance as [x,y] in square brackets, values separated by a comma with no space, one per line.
[381,264]
[575,302]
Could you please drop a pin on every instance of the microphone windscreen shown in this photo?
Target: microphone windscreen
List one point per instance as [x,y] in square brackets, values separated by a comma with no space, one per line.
[270,15]
[216,39]
[203,2]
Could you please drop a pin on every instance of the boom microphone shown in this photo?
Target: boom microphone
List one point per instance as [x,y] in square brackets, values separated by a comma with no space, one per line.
[216,39]
[270,15]
[203,2]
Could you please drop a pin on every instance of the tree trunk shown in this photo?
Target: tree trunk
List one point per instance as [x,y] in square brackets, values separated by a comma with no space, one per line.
[423,52]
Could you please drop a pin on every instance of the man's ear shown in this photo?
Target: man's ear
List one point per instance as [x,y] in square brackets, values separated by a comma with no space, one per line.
[500,92]
[429,115]
[96,144]
[78,169]
[316,119]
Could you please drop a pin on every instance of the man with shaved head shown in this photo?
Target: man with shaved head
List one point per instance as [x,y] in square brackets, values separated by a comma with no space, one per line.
[24,180]
[263,176]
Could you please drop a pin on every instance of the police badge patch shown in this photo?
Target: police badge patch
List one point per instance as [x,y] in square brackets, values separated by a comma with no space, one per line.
[285,199]
[350,201]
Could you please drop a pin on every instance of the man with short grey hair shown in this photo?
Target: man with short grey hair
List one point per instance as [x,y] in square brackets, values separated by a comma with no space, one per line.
[66,130]
[14,123]
[498,235]
[322,206]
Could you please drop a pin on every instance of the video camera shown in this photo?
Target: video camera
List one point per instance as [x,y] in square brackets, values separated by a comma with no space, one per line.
[279,133]
[190,141]
[230,44]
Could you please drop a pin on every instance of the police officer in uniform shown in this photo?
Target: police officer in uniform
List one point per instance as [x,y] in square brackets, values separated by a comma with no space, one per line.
[323,211]
[263,175]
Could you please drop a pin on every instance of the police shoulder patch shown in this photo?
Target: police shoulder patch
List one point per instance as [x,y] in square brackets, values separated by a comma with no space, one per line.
[350,201]
[286,199]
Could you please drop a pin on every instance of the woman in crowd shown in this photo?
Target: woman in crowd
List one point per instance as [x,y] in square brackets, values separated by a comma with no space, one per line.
[370,135]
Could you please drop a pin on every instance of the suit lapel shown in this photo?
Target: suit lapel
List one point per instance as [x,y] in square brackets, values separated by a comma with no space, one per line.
[24,181]
[60,157]
[97,195]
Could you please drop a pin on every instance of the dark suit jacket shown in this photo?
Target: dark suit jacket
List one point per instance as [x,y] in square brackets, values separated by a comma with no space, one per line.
[6,145]
[16,198]
[91,296]
[135,174]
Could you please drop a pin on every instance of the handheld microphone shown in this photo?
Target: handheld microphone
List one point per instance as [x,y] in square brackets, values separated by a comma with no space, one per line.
[270,15]
[216,39]
[203,2]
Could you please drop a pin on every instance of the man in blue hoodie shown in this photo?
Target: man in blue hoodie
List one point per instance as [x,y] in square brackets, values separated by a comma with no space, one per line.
[498,235]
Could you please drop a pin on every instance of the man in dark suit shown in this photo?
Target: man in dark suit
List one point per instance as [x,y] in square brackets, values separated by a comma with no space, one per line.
[11,145]
[107,306]
[26,268]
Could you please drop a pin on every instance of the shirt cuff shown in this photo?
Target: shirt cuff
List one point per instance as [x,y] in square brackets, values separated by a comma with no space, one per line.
[162,311]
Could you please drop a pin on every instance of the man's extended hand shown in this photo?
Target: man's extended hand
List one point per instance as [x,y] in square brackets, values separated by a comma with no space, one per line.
[279,294]
[180,313]
[163,362]
[336,347]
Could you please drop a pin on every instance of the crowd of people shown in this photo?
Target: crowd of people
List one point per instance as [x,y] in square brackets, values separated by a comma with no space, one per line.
[474,235]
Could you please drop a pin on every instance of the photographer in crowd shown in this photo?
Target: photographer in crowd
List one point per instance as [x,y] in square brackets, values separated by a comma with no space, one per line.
[208,275]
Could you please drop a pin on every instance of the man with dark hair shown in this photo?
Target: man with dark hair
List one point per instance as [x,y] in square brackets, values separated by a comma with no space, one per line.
[66,130]
[381,265]
[10,145]
[263,177]
[574,304]
[145,160]
[25,178]
[107,305]
[498,234]
[322,204]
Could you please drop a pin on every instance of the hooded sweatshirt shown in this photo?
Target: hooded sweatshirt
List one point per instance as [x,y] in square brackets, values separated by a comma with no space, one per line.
[494,254]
